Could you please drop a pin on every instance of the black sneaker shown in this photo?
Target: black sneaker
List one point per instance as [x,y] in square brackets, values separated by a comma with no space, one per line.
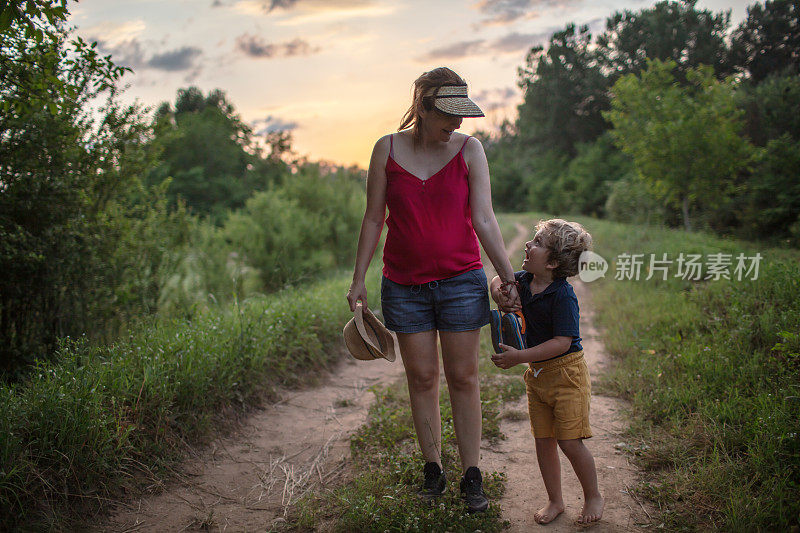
[472,491]
[435,481]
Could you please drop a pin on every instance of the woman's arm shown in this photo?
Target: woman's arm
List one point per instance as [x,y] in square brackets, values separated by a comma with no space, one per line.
[372,224]
[483,219]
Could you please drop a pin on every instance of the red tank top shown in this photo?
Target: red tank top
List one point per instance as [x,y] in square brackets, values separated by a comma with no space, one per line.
[430,234]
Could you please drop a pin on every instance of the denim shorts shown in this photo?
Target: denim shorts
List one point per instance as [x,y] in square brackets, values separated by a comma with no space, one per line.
[460,303]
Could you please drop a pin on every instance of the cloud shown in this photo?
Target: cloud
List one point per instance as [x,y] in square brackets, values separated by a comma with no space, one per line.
[271,124]
[113,33]
[501,12]
[454,51]
[180,59]
[492,99]
[271,5]
[514,42]
[254,46]
[304,12]
[596,25]
[131,54]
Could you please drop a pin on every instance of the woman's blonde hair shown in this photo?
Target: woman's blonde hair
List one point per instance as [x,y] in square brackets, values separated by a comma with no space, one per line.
[565,241]
[425,89]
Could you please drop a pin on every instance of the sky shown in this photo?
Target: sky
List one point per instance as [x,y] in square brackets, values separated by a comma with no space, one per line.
[337,74]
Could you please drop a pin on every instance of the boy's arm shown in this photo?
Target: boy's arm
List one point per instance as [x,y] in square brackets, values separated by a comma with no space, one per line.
[505,303]
[511,357]
[494,287]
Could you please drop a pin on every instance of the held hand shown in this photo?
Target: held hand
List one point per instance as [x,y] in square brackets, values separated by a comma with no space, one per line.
[357,291]
[506,304]
[510,300]
[507,358]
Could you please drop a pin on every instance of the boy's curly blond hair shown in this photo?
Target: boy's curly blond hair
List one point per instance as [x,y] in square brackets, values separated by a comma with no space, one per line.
[565,241]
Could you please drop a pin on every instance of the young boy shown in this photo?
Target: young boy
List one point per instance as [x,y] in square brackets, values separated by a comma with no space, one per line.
[557,381]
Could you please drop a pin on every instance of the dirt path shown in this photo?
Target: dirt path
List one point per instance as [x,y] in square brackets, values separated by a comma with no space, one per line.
[516,455]
[246,481]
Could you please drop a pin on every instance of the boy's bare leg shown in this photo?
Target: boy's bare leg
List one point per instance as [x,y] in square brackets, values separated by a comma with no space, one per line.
[550,466]
[421,361]
[583,464]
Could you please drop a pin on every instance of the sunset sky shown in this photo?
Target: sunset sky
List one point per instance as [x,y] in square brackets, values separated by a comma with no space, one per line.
[337,73]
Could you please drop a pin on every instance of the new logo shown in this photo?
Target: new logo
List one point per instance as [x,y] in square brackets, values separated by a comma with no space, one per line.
[591,266]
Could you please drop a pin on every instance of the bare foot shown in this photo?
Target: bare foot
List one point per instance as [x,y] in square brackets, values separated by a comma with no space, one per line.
[549,512]
[592,510]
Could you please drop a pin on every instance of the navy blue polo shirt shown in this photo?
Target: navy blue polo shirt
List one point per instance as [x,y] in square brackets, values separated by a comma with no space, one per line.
[551,313]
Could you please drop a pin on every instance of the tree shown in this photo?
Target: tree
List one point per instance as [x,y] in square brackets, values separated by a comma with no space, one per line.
[771,206]
[31,17]
[771,108]
[768,41]
[684,140]
[567,84]
[209,154]
[565,93]
[60,171]
[280,144]
[36,62]
[674,31]
[584,185]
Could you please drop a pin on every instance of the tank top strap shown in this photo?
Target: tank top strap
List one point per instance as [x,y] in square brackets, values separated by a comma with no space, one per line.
[391,145]
[463,145]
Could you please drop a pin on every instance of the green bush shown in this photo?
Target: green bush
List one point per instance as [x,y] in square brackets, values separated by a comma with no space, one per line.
[631,201]
[584,186]
[539,183]
[209,154]
[77,429]
[290,234]
[770,207]
[509,164]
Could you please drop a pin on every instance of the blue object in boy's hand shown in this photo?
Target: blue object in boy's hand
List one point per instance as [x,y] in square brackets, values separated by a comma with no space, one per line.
[507,328]
[495,323]
[512,329]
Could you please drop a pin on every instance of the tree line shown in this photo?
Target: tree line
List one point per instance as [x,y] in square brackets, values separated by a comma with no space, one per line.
[110,214]
[668,116]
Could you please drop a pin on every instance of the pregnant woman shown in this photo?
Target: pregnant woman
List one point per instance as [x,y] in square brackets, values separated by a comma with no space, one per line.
[435,184]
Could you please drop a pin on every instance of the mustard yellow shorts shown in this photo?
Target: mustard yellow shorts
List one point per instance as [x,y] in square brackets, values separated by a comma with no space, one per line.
[558,397]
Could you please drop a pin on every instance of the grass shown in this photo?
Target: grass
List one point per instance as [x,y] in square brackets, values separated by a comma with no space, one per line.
[711,368]
[77,431]
[387,468]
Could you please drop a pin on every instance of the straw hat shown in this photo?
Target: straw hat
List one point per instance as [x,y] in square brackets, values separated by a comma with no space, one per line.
[453,100]
[367,338]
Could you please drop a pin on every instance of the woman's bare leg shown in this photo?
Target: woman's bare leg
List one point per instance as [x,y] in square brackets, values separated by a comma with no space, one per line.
[460,357]
[421,361]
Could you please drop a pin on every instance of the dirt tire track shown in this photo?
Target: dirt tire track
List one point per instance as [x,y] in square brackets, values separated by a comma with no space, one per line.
[240,482]
[244,481]
[516,456]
